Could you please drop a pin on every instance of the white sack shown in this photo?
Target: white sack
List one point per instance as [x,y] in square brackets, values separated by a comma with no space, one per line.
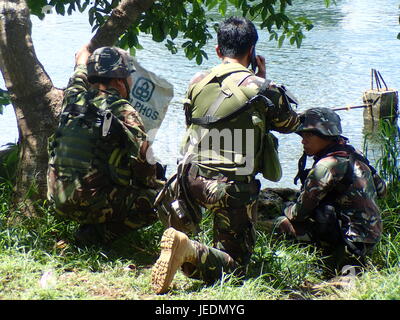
[150,96]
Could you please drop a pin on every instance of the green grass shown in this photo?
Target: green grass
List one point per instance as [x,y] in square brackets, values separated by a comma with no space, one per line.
[36,265]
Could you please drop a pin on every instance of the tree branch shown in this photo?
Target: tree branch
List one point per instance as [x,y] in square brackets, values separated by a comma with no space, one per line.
[121,18]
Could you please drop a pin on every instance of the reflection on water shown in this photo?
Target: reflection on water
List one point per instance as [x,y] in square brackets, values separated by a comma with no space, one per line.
[331,69]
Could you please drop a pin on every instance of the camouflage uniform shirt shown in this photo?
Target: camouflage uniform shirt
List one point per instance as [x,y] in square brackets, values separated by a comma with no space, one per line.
[89,172]
[355,204]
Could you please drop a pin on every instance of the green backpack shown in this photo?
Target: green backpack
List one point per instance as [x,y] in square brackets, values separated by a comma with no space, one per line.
[232,104]
[90,136]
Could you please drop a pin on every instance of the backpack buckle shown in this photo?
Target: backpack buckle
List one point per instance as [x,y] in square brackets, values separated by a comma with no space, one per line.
[106,123]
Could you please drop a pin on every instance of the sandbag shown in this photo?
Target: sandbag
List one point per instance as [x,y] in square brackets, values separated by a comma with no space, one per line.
[382,101]
[382,104]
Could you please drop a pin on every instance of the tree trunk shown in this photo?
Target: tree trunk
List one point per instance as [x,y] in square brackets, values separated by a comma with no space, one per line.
[34,98]
[37,103]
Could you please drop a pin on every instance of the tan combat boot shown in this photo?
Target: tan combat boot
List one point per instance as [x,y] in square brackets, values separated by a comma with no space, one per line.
[176,249]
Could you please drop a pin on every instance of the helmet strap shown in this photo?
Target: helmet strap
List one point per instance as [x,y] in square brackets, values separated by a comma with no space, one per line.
[301,165]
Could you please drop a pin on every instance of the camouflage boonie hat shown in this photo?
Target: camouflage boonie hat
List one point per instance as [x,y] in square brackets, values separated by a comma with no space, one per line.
[109,62]
[320,120]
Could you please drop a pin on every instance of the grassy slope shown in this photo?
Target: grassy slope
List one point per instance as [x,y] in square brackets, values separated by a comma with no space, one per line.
[36,264]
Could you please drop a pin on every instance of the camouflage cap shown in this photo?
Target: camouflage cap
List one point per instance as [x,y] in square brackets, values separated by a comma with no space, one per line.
[321,120]
[109,62]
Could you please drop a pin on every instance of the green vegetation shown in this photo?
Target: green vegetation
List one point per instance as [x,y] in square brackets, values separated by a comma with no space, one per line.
[190,20]
[38,259]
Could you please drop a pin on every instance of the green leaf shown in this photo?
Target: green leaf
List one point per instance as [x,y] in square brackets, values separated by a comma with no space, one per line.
[171,46]
[211,4]
[36,7]
[269,22]
[132,40]
[299,39]
[189,52]
[174,32]
[60,9]
[199,59]
[273,36]
[281,39]
[278,21]
[132,51]
[222,7]
[71,8]
[91,16]
[204,54]
[271,9]
[158,32]
[123,42]
[99,17]
[4,97]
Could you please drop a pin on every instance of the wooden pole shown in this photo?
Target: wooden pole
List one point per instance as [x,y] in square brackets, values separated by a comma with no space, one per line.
[350,107]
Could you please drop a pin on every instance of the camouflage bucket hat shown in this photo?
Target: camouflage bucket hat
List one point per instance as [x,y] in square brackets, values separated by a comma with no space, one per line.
[109,62]
[320,120]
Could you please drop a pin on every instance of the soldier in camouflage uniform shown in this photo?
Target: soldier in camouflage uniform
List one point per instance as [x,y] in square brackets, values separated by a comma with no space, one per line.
[213,180]
[337,206]
[98,174]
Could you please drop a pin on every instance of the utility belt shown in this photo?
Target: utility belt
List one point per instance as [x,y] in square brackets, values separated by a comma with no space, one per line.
[210,174]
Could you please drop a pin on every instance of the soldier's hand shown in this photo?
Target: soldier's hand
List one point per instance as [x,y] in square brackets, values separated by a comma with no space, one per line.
[81,57]
[286,227]
[261,72]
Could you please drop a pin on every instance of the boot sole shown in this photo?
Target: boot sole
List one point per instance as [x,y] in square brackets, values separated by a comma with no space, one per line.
[168,263]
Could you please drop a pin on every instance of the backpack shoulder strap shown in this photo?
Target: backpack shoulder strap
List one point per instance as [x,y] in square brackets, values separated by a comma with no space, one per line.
[228,88]
[216,72]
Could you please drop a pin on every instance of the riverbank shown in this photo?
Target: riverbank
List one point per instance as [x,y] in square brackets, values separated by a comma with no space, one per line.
[38,261]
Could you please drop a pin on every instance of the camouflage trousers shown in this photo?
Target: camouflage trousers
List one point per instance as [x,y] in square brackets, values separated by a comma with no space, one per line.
[324,230]
[233,205]
[94,199]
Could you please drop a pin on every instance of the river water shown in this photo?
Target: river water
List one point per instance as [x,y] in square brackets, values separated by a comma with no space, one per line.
[331,69]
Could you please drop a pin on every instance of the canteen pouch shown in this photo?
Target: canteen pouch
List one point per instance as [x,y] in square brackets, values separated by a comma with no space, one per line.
[174,206]
[271,166]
